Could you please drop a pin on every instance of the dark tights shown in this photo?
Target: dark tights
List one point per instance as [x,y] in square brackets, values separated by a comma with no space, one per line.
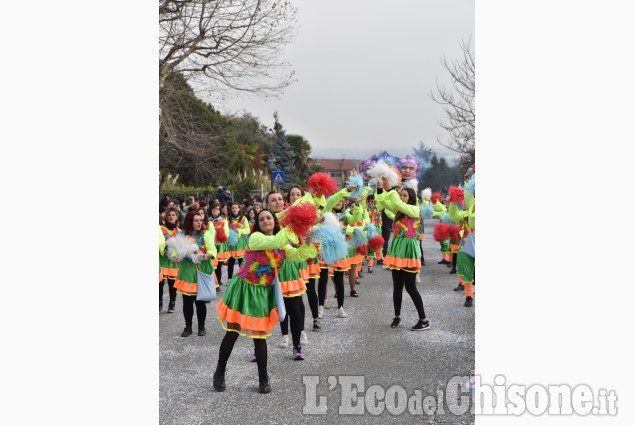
[312,296]
[171,290]
[338,277]
[219,272]
[188,311]
[401,278]
[230,267]
[227,345]
[295,313]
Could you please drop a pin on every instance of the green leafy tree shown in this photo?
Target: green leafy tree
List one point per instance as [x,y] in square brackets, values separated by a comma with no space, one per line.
[301,149]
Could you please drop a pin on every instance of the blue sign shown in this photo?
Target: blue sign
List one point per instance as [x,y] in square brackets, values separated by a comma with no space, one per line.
[278,176]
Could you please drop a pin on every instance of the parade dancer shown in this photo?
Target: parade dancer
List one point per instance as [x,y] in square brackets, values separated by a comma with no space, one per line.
[248,306]
[467,252]
[403,254]
[239,224]
[186,279]
[168,270]
[221,227]
[292,285]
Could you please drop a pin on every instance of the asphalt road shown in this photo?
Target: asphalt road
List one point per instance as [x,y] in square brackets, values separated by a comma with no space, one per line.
[362,346]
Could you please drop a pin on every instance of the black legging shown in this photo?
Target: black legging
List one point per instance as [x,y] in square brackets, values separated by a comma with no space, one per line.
[188,310]
[226,346]
[296,315]
[171,291]
[399,279]
[312,296]
[421,250]
[385,233]
[338,277]
[230,267]
[219,273]
[284,325]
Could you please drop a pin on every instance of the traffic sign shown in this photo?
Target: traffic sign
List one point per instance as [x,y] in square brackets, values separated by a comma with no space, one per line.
[278,176]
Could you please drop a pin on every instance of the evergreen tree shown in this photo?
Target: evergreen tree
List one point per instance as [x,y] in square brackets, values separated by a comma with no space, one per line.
[282,157]
[424,154]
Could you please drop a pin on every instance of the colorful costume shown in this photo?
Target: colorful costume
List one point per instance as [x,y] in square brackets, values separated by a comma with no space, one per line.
[186,279]
[240,225]
[248,306]
[403,252]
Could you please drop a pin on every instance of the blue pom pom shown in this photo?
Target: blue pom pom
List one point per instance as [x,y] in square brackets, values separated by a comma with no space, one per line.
[333,245]
[445,218]
[427,212]
[357,238]
[372,182]
[371,231]
[359,181]
[232,239]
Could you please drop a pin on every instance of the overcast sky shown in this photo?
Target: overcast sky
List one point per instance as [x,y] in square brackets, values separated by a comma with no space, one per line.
[365,71]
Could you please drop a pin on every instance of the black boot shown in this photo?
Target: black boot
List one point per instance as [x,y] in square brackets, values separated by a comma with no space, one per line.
[171,307]
[459,287]
[218,381]
[201,330]
[468,302]
[263,379]
[187,331]
[160,306]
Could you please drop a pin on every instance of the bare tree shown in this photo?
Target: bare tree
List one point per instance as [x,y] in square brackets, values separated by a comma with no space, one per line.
[226,44]
[458,105]
[218,46]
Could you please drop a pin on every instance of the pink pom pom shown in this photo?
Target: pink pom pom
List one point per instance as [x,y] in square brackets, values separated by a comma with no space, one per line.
[300,218]
[323,184]
[456,194]
[361,250]
[221,236]
[441,232]
[376,243]
[436,196]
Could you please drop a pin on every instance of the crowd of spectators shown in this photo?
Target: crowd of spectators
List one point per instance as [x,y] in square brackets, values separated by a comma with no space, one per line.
[223,197]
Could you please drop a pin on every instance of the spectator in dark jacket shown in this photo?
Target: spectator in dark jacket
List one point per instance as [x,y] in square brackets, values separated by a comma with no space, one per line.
[224,196]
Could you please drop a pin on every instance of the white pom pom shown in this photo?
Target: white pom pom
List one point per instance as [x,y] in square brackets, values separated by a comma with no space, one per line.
[183,246]
[178,243]
[412,184]
[380,170]
[331,220]
[426,193]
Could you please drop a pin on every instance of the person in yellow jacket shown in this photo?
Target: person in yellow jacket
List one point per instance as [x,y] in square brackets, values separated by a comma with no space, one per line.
[466,255]
[249,305]
[240,224]
[403,258]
